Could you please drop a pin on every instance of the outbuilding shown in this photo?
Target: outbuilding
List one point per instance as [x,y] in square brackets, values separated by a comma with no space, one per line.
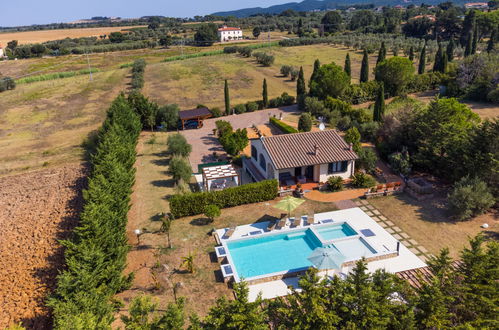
[198,115]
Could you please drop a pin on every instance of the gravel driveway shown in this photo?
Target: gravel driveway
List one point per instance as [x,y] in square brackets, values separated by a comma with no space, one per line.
[204,143]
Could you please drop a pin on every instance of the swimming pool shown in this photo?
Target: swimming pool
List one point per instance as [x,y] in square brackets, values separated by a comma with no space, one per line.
[288,252]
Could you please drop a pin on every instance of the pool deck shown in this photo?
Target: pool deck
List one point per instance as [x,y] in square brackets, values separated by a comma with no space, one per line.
[357,219]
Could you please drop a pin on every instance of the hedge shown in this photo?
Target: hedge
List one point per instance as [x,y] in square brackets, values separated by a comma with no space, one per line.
[195,203]
[285,128]
[55,75]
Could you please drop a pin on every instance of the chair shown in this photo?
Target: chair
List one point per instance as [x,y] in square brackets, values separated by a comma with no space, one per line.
[281,223]
[296,221]
[229,232]
[310,219]
[271,225]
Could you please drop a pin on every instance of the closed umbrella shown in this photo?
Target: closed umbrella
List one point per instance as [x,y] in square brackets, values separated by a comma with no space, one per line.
[289,203]
[326,258]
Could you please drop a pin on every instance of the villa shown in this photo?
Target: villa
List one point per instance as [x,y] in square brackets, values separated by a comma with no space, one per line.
[226,33]
[310,157]
[270,258]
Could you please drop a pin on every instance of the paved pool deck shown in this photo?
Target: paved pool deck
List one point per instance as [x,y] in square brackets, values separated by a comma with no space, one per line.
[358,219]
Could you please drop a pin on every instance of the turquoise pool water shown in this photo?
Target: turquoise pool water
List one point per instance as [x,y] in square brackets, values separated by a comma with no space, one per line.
[287,251]
[333,232]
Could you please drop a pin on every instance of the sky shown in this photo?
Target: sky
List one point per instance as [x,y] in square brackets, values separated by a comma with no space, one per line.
[27,12]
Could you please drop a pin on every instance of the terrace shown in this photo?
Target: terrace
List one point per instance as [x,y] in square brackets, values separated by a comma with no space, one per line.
[271,259]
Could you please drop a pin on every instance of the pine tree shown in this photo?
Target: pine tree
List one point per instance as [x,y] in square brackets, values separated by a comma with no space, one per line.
[317,66]
[437,65]
[347,67]
[227,98]
[469,45]
[450,50]
[490,44]
[379,105]
[475,40]
[422,60]
[301,90]
[364,69]
[265,95]
[411,54]
[382,53]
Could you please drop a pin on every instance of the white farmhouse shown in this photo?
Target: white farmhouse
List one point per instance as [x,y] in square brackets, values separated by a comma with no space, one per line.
[226,33]
[1,51]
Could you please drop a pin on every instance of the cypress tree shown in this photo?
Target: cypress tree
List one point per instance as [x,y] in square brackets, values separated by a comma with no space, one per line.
[437,65]
[469,45]
[422,60]
[490,44]
[364,69]
[468,24]
[445,62]
[379,105]
[301,90]
[317,65]
[475,40]
[381,53]
[227,98]
[348,68]
[450,50]
[265,95]
[411,54]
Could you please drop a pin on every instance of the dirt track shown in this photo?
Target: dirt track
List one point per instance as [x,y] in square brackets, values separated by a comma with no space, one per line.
[36,209]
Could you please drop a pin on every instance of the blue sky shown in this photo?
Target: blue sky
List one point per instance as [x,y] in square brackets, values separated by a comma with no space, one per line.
[27,12]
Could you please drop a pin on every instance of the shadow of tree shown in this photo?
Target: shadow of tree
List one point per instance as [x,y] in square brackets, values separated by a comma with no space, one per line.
[170,183]
[200,221]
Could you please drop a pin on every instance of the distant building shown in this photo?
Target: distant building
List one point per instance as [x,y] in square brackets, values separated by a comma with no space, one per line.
[1,51]
[432,18]
[226,33]
[476,5]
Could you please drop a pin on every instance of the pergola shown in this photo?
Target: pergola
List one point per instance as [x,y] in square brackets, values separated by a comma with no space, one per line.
[198,114]
[220,177]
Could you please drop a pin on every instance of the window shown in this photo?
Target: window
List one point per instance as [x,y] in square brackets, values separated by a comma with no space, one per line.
[337,167]
[254,153]
[262,163]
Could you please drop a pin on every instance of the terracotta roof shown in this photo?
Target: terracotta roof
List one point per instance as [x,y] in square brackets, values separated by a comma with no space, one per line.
[194,113]
[298,149]
[418,276]
[225,28]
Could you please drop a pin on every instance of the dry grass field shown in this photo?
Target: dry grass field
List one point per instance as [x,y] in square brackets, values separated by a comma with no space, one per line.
[45,123]
[30,37]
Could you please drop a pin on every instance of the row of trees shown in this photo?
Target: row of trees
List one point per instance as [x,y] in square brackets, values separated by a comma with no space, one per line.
[138,68]
[96,255]
[463,296]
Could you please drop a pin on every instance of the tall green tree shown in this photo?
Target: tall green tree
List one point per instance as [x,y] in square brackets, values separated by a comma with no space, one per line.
[422,60]
[348,68]
[352,136]
[469,45]
[301,90]
[379,105]
[396,73]
[256,32]
[331,80]
[450,50]
[438,65]
[381,53]
[474,44]
[178,146]
[206,35]
[332,21]
[305,122]
[491,42]
[317,65]
[411,54]
[265,94]
[364,69]
[468,26]
[227,98]
[180,169]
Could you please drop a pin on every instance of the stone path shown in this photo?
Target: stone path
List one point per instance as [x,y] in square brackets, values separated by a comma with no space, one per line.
[390,227]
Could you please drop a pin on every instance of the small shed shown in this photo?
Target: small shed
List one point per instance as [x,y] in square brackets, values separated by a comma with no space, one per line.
[198,114]
[220,177]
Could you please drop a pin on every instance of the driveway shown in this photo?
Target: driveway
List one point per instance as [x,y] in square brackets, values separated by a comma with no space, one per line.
[204,143]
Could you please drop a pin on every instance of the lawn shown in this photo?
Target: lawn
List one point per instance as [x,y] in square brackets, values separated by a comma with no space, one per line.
[156,267]
[44,123]
[428,222]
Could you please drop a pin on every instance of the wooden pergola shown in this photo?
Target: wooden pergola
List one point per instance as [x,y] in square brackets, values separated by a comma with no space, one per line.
[198,114]
[219,172]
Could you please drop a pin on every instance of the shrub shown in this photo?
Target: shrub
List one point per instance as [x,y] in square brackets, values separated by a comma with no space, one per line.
[367,159]
[344,123]
[7,83]
[400,162]
[426,81]
[195,203]
[212,211]
[315,106]
[294,74]
[368,130]
[178,146]
[240,108]
[286,70]
[335,183]
[363,180]
[216,112]
[285,128]
[284,100]
[352,136]
[470,197]
[230,49]
[251,106]
[305,122]
[245,51]
[264,58]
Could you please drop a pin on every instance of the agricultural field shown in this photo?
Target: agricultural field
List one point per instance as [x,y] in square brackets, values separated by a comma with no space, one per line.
[44,123]
[201,80]
[30,37]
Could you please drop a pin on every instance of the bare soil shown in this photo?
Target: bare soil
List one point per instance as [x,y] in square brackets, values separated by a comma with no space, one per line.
[36,210]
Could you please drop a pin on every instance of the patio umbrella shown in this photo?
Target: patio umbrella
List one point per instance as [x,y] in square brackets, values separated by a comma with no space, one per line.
[326,258]
[289,203]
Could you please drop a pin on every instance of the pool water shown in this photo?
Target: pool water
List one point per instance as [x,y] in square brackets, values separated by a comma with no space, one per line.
[333,232]
[268,254]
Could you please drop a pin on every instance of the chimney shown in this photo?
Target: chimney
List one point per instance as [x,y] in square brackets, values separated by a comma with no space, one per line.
[350,146]
[316,150]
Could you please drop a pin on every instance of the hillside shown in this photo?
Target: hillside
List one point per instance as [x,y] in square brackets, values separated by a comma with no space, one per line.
[312,5]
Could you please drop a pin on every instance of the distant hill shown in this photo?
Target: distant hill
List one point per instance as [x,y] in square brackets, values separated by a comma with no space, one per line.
[311,5]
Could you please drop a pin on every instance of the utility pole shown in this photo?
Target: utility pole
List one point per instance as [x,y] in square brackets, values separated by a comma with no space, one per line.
[89,69]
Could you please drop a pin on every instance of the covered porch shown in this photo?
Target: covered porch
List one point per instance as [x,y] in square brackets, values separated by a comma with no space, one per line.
[304,175]
[220,177]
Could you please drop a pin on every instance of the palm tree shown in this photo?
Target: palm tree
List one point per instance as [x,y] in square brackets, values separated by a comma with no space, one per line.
[188,263]
[166,223]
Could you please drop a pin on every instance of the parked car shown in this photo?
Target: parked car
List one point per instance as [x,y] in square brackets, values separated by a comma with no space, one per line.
[190,124]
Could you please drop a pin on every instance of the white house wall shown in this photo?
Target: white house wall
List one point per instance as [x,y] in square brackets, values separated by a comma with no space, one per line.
[270,172]
[323,176]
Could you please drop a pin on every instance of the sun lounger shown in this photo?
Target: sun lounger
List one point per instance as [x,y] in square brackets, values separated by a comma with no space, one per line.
[327,221]
[229,232]
[227,272]
[256,232]
[296,222]
[281,223]
[220,251]
[310,220]
[271,225]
